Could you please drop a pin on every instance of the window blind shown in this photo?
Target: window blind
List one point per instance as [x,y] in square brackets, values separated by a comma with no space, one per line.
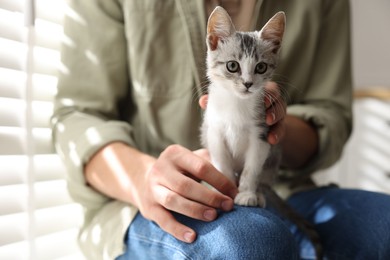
[38,220]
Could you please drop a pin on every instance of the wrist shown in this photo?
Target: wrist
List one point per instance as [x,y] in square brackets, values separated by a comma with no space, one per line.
[117,170]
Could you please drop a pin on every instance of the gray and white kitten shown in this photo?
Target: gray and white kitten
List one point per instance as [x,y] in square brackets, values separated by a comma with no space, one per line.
[234,131]
[239,64]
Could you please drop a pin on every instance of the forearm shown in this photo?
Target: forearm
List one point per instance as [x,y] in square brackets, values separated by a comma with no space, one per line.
[299,144]
[115,170]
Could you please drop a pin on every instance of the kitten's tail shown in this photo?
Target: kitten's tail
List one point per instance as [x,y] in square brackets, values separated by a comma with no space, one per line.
[304,225]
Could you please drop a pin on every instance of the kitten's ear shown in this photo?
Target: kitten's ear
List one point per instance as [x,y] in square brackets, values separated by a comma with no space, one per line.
[273,30]
[219,26]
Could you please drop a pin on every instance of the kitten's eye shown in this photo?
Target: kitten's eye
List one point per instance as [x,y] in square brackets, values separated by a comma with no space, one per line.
[261,68]
[232,66]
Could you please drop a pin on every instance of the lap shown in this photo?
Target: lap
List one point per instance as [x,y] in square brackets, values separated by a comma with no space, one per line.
[244,233]
[352,224]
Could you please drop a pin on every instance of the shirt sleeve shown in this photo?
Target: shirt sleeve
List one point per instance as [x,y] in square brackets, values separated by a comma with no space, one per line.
[93,83]
[327,100]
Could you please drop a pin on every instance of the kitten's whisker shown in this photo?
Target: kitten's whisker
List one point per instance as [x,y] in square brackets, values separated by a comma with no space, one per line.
[286,84]
[199,90]
[277,105]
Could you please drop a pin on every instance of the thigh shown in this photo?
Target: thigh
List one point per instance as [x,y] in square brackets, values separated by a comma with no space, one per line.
[244,233]
[353,224]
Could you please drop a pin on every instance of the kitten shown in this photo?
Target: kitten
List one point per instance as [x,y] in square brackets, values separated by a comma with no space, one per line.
[234,131]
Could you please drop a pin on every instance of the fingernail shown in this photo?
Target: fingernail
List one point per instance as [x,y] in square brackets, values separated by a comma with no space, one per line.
[271,119]
[227,205]
[276,138]
[189,236]
[209,214]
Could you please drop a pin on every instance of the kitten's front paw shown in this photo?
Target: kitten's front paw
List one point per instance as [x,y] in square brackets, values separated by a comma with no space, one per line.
[246,198]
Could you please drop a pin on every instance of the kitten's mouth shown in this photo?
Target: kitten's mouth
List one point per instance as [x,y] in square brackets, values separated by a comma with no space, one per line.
[245,93]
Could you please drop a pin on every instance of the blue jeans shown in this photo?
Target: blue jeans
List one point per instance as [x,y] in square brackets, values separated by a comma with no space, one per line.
[353,224]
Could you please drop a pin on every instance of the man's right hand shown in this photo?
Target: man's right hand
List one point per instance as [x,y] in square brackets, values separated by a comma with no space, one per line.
[158,186]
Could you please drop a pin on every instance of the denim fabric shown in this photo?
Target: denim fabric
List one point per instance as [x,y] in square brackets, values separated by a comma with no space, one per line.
[353,224]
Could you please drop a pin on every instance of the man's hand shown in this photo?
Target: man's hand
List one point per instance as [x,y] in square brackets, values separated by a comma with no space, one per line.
[158,186]
[172,184]
[275,113]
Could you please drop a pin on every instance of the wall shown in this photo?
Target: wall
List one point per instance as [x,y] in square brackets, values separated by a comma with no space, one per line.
[371,42]
[366,159]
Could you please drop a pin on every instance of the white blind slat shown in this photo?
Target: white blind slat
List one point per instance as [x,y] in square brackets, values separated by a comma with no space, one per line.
[44,87]
[46,61]
[51,220]
[18,251]
[42,111]
[12,83]
[55,241]
[11,25]
[49,167]
[12,5]
[13,54]
[42,141]
[12,140]
[51,193]
[48,34]
[13,169]
[12,112]
[51,10]
[14,227]
[13,199]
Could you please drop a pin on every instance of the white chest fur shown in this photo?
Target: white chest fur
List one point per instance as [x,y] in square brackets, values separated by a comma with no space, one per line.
[231,132]
[235,121]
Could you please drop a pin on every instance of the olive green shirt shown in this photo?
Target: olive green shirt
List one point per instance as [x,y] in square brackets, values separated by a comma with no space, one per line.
[132,71]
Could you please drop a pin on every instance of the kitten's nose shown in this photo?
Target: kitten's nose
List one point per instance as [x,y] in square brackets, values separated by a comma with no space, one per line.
[248,84]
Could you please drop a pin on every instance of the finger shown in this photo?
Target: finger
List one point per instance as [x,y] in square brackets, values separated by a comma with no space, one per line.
[167,222]
[276,133]
[270,116]
[181,186]
[203,153]
[272,93]
[203,101]
[200,168]
[177,203]
[276,110]
[205,171]
[275,113]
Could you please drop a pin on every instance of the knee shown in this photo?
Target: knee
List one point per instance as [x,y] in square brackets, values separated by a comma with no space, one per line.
[253,233]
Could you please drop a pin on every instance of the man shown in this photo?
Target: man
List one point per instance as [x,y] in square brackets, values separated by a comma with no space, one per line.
[126,124]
